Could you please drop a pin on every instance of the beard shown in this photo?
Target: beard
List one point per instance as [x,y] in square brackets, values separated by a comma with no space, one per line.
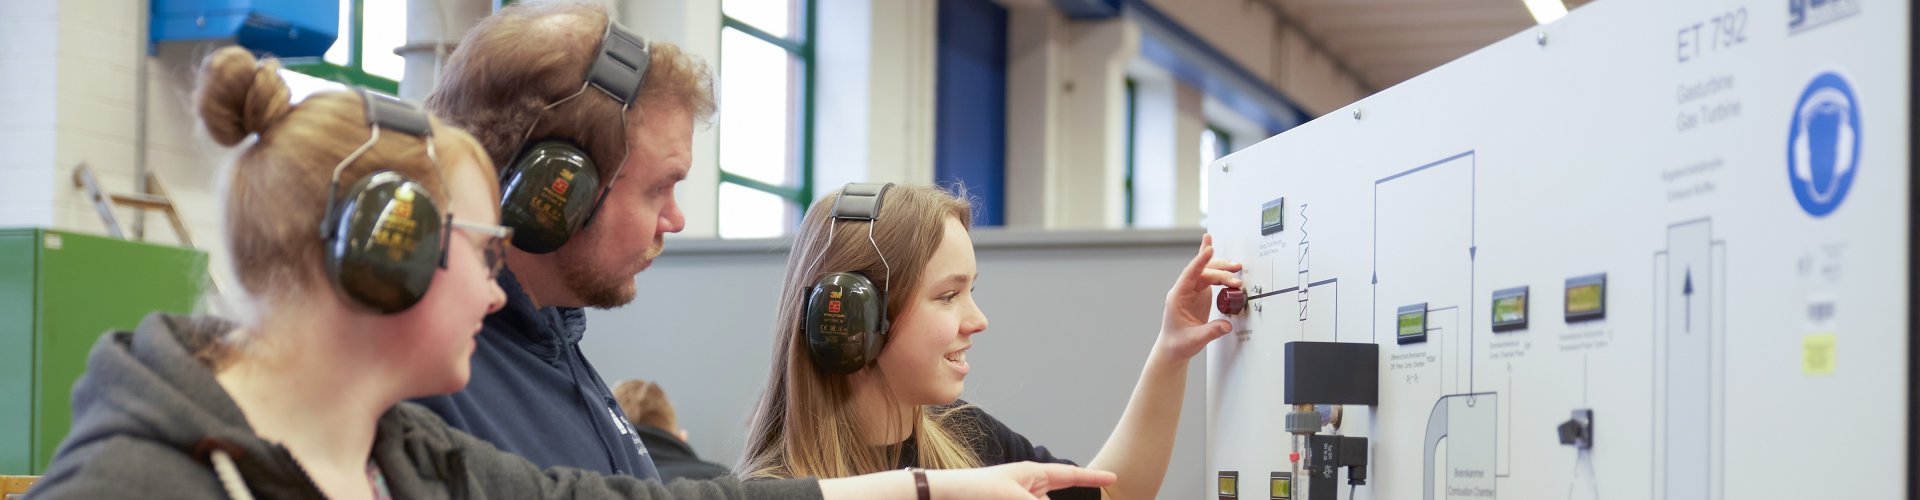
[601,286]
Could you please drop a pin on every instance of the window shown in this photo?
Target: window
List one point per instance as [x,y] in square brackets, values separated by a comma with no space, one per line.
[1214,143]
[1133,138]
[765,125]
[363,54]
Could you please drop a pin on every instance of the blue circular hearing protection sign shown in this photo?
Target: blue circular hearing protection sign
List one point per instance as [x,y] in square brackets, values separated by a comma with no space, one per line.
[1823,144]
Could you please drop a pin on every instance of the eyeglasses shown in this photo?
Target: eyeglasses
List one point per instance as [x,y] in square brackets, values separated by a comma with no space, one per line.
[494,247]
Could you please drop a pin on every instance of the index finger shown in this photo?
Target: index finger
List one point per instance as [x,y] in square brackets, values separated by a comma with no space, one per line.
[1061,476]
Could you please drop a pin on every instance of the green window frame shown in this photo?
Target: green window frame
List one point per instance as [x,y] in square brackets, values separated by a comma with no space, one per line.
[354,72]
[800,192]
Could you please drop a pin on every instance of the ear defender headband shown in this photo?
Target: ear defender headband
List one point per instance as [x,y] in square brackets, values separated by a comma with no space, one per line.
[551,190]
[846,316]
[385,236]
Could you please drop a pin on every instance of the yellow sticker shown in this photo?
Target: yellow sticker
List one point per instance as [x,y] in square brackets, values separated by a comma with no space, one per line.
[1817,354]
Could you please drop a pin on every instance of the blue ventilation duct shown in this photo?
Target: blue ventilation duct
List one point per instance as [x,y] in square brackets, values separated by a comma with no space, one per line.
[283,28]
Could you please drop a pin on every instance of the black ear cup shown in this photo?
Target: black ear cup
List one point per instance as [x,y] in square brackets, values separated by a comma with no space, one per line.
[550,191]
[845,322]
[386,240]
[547,194]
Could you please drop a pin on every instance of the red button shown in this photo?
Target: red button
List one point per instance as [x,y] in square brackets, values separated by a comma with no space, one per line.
[1232,301]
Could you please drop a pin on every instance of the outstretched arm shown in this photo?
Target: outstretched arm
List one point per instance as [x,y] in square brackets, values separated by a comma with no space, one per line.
[1141,445]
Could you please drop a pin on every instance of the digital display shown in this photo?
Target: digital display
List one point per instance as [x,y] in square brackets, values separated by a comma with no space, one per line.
[1229,484]
[1587,297]
[1510,309]
[1411,323]
[1272,215]
[1281,486]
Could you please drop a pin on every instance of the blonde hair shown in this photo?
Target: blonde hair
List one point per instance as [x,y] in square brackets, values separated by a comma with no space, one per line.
[806,423]
[532,54]
[645,404]
[276,192]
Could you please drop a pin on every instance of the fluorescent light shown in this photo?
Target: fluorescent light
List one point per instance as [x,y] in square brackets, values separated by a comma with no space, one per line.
[1546,11]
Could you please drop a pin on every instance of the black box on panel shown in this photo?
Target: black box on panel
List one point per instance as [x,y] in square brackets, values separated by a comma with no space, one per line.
[1332,373]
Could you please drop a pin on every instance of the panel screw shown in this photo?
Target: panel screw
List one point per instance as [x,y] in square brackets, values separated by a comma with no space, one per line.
[1225,168]
[1541,38]
[1356,113]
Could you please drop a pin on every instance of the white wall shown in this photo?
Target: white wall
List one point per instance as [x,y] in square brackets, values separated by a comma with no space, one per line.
[875,97]
[1066,119]
[29,50]
[71,90]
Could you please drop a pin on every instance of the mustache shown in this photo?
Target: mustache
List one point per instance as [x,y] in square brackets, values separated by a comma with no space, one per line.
[659,245]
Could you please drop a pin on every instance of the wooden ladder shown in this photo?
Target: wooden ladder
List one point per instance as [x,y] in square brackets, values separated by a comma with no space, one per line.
[154,199]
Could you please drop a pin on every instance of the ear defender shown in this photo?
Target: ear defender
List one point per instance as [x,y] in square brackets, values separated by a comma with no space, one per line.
[552,189]
[845,317]
[384,237]
[846,322]
[388,241]
[546,195]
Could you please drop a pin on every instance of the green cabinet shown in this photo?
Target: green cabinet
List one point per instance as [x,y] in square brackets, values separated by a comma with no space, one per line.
[59,292]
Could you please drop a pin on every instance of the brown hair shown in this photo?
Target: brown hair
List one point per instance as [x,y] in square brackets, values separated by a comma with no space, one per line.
[532,54]
[276,195]
[805,423]
[645,404]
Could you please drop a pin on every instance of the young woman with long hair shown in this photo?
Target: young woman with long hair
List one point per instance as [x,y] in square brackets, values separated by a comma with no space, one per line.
[832,418]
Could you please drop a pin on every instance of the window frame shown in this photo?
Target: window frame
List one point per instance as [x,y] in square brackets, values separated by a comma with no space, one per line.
[354,72]
[802,49]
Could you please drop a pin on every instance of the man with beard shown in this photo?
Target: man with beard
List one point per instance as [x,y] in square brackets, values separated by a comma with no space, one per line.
[591,127]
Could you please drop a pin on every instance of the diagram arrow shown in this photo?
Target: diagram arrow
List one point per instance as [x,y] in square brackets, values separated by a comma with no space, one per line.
[1686,288]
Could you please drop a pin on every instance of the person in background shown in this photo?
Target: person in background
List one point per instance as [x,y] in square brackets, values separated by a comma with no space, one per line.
[365,237]
[652,416]
[836,406]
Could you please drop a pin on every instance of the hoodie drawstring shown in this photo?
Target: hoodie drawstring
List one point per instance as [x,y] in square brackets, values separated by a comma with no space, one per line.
[230,476]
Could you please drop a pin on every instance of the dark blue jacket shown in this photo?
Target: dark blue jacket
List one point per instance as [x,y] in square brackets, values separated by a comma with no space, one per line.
[533,393]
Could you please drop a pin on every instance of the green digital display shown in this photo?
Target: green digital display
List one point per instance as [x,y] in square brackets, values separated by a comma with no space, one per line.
[1282,488]
[1510,309]
[1413,323]
[1410,325]
[1227,486]
[1272,214]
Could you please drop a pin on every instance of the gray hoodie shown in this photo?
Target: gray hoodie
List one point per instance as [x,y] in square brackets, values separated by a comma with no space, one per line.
[151,422]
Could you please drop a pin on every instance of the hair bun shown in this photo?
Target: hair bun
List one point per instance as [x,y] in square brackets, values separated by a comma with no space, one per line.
[240,95]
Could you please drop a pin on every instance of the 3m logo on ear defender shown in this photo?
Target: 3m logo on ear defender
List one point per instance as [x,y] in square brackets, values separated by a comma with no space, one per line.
[547,205]
[397,227]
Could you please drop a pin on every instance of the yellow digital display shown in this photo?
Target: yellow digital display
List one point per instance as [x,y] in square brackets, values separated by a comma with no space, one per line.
[1227,486]
[1270,216]
[1282,488]
[1583,299]
[1587,297]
